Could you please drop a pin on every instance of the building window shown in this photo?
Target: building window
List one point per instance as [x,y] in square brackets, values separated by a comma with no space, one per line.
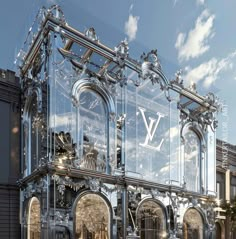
[192,166]
[233,192]
[151,220]
[218,191]
[34,215]
[92,217]
[95,128]
[93,131]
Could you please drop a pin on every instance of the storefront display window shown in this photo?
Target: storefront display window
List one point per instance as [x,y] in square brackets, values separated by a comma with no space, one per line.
[92,218]
[34,215]
[193,225]
[151,220]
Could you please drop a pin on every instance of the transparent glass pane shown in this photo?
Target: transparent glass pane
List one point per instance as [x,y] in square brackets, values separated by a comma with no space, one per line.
[174,133]
[147,127]
[93,131]
[192,161]
[34,134]
[211,159]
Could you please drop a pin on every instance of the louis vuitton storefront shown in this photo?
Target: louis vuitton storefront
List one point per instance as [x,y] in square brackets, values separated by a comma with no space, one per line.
[112,149]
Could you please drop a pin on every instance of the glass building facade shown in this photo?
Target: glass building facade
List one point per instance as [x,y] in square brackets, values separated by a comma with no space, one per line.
[111,147]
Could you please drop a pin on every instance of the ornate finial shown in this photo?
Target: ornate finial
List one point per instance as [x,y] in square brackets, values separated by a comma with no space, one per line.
[178,77]
[91,34]
[122,50]
[193,87]
[56,11]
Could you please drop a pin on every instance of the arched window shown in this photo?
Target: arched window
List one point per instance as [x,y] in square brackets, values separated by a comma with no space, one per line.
[92,217]
[192,163]
[31,134]
[151,220]
[95,130]
[33,222]
[192,225]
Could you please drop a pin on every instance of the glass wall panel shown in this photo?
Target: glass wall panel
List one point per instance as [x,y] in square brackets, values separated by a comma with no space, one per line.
[211,159]
[34,133]
[192,165]
[174,134]
[147,131]
[92,130]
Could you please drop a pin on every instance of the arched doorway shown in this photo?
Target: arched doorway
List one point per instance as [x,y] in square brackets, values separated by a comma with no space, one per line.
[92,217]
[33,222]
[151,220]
[193,225]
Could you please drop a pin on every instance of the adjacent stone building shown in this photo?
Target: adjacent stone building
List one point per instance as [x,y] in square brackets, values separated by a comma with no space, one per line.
[10,154]
[226,189]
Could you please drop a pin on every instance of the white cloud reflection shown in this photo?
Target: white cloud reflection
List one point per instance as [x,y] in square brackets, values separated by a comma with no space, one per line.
[200,2]
[208,72]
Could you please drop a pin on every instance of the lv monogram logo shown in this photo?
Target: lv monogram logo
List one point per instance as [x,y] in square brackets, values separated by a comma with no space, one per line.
[151,130]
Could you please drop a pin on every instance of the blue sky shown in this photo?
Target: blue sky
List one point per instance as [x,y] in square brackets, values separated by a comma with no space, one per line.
[197,36]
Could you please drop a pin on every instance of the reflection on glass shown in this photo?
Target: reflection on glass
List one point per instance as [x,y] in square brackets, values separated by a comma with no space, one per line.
[193,225]
[26,148]
[192,161]
[34,215]
[211,162]
[147,138]
[151,220]
[34,134]
[93,131]
[92,218]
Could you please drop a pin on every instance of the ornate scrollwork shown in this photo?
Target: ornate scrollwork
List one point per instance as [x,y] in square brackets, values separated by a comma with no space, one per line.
[151,69]
[122,52]
[62,218]
[57,13]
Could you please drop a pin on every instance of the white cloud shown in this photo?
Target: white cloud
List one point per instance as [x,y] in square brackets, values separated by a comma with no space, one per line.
[195,43]
[208,72]
[131,26]
[131,7]
[200,2]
